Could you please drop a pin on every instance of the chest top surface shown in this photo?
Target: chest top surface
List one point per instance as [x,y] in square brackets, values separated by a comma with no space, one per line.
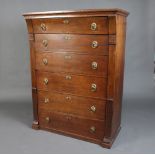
[76,13]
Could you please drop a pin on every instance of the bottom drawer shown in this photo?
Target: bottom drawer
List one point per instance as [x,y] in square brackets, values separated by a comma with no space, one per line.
[71,124]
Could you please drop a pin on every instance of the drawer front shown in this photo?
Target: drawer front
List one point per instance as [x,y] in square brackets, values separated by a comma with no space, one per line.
[73,63]
[93,25]
[71,124]
[74,84]
[71,43]
[58,102]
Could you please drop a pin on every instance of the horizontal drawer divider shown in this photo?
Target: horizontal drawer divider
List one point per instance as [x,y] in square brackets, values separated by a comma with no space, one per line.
[98,98]
[71,73]
[72,115]
[72,52]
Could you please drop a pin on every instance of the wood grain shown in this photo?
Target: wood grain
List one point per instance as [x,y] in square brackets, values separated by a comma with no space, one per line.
[61,53]
[72,25]
[72,124]
[71,104]
[79,85]
[72,63]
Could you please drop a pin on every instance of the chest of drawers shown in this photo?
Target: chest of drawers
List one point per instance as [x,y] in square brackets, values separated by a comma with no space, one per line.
[77,65]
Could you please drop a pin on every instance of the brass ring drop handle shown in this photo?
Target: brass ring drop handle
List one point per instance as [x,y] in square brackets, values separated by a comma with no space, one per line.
[45,61]
[47,119]
[93,108]
[94,44]
[45,81]
[45,43]
[46,100]
[93,26]
[92,129]
[94,65]
[43,27]
[93,87]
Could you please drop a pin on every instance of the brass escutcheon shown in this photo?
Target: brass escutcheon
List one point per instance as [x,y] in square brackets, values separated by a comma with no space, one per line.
[67,37]
[68,98]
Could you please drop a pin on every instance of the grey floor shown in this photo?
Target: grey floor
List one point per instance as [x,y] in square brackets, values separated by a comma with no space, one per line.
[16,136]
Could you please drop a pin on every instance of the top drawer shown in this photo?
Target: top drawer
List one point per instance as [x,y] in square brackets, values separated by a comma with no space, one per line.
[84,25]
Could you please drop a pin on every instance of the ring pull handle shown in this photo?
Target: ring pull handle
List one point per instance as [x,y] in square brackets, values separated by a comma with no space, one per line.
[46,81]
[93,108]
[93,26]
[45,61]
[92,129]
[94,65]
[47,119]
[43,27]
[93,87]
[94,44]
[45,43]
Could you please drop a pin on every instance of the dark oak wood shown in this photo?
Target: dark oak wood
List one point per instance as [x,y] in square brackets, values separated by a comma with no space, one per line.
[62,72]
[72,63]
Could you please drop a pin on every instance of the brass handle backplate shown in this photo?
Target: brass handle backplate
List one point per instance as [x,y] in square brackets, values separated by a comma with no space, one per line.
[93,87]
[92,129]
[68,77]
[45,43]
[45,61]
[94,44]
[94,65]
[93,26]
[43,27]
[93,108]
[46,81]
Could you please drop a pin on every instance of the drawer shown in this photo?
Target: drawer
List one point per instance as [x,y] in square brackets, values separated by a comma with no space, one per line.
[74,84]
[72,43]
[73,63]
[60,102]
[93,25]
[71,124]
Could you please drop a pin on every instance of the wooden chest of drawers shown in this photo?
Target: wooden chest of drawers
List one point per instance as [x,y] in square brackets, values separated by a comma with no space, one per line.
[77,63]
